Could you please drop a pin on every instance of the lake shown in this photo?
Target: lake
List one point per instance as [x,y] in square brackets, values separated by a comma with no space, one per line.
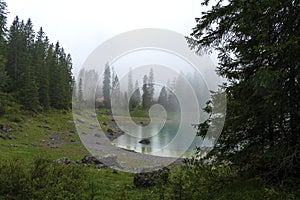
[171,141]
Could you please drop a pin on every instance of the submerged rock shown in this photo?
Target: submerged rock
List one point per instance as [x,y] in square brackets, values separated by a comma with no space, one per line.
[145,141]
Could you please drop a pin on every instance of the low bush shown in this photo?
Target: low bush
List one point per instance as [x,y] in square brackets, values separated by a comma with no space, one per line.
[41,180]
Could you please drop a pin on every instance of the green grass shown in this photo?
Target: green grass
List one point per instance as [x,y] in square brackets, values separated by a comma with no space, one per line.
[31,141]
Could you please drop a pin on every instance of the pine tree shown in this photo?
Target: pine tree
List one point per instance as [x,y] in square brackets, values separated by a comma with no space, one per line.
[135,98]
[151,86]
[3,32]
[3,28]
[28,93]
[163,97]
[106,86]
[16,53]
[116,93]
[80,92]
[130,83]
[258,43]
[3,74]
[146,97]
[41,69]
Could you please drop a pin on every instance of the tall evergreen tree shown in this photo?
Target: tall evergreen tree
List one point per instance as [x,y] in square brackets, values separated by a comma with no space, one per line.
[3,28]
[151,85]
[16,53]
[80,92]
[28,93]
[3,74]
[41,69]
[146,97]
[130,83]
[106,86]
[135,98]
[116,93]
[258,43]
[163,97]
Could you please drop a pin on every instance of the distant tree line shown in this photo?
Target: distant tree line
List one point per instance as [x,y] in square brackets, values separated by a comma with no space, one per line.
[36,72]
[139,97]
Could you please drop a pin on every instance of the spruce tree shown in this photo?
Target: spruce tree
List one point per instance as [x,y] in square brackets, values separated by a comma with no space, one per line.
[258,47]
[28,93]
[3,28]
[106,86]
[151,85]
[146,97]
[41,69]
[3,74]
[163,97]
[116,93]
[135,98]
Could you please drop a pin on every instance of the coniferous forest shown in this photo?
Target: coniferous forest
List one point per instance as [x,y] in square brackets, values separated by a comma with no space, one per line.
[36,72]
[257,155]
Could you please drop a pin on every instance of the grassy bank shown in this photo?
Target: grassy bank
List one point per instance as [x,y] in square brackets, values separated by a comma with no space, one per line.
[44,137]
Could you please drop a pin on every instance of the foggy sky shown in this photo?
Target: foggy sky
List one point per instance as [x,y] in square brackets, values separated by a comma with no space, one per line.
[81,26]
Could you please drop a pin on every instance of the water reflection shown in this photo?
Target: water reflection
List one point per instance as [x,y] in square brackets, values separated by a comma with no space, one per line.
[170,141]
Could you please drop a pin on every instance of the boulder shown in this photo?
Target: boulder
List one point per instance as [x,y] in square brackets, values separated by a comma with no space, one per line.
[148,179]
[145,141]
[109,160]
[89,159]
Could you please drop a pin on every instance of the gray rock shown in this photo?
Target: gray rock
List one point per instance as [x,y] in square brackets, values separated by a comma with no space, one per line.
[89,159]
[93,126]
[99,166]
[6,129]
[145,141]
[80,120]
[110,160]
[63,160]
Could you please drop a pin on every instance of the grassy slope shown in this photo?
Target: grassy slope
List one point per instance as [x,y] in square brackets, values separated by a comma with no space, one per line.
[31,140]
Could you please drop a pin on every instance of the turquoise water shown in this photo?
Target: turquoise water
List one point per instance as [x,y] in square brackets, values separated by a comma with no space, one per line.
[172,140]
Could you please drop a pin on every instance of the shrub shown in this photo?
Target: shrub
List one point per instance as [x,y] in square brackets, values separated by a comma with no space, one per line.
[41,180]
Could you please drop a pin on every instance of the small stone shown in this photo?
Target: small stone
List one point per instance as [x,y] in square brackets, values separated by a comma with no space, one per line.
[80,120]
[63,160]
[110,131]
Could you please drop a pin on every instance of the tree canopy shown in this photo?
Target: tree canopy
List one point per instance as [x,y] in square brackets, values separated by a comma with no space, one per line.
[258,50]
[36,73]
